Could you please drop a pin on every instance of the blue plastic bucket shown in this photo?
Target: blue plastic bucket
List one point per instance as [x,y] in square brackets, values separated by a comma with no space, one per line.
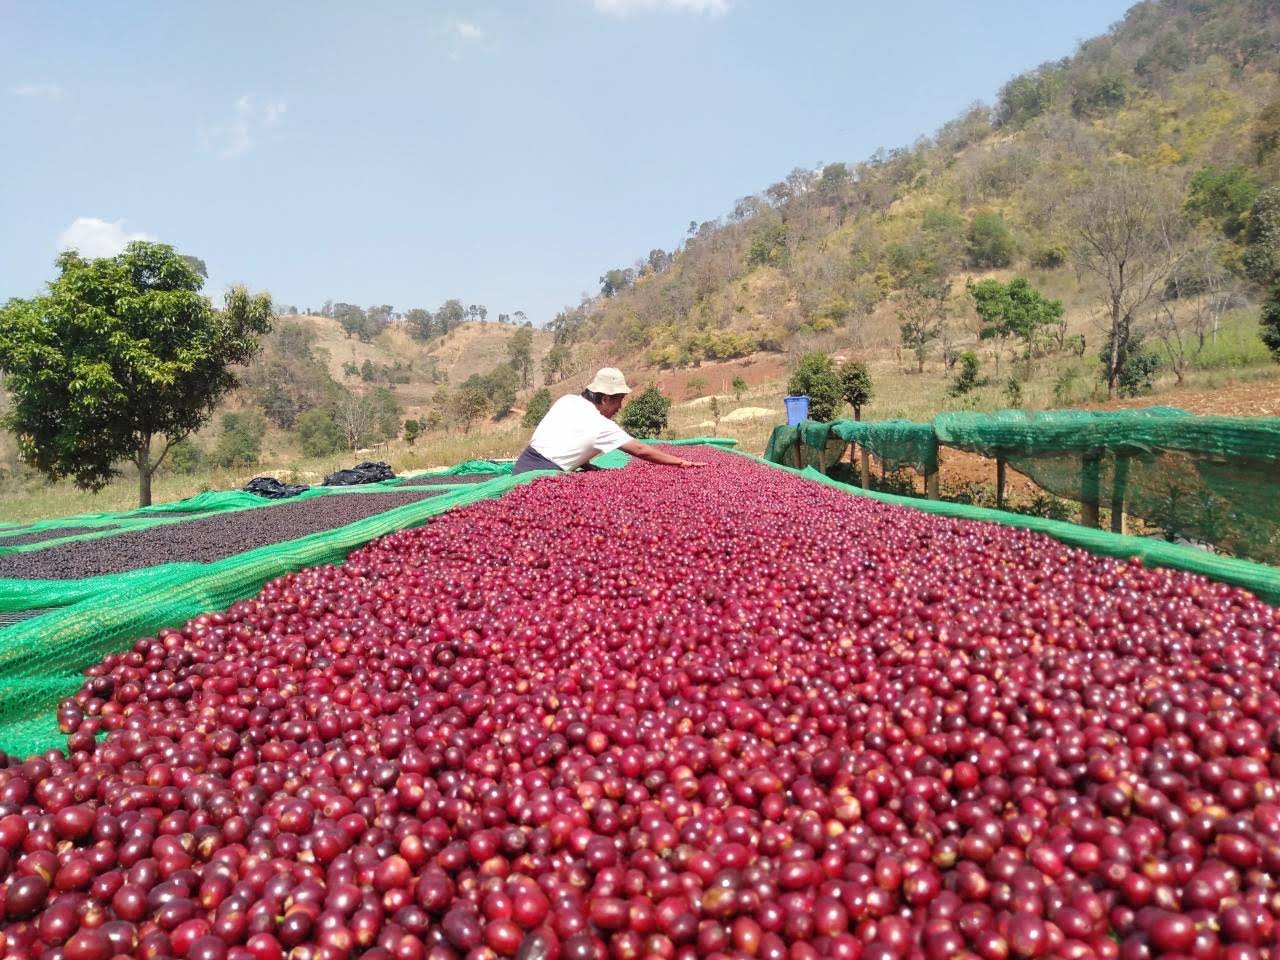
[797,410]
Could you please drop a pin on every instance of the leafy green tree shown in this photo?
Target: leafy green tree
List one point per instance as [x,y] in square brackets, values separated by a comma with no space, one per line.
[615,281]
[386,413]
[1270,321]
[1137,366]
[966,380]
[351,318]
[376,319]
[989,241]
[739,388]
[769,246]
[318,435]
[1099,95]
[240,442]
[120,351]
[855,386]
[470,402]
[556,364]
[922,308]
[1016,310]
[1030,94]
[1223,195]
[185,457]
[295,340]
[420,324]
[350,369]
[538,406]
[695,385]
[1262,259]
[411,431]
[503,384]
[1266,131]
[816,377]
[520,353]
[280,402]
[645,414]
[450,315]
[1013,391]
[368,373]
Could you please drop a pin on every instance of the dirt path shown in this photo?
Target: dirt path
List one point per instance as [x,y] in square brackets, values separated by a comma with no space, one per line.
[1260,398]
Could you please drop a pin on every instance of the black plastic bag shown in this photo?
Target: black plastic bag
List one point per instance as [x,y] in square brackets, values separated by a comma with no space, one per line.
[366,471]
[273,489]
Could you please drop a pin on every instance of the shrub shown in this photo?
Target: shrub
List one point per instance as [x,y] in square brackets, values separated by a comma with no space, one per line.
[990,243]
[185,457]
[318,435]
[537,408]
[855,386]
[240,443]
[645,414]
[816,378]
[966,380]
[1050,257]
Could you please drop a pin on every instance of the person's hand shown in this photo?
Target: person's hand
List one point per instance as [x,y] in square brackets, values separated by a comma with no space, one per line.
[691,463]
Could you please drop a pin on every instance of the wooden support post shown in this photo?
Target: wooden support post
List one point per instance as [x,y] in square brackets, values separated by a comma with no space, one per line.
[1089,493]
[822,459]
[866,467]
[931,485]
[799,451]
[1000,481]
[1119,482]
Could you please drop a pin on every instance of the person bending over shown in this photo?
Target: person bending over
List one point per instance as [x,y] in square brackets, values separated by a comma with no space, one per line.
[577,429]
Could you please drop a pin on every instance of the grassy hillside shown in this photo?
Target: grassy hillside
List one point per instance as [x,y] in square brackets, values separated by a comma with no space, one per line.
[823,257]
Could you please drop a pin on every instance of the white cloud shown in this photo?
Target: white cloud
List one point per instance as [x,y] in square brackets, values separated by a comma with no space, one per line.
[250,119]
[461,34]
[98,238]
[37,91]
[466,31]
[623,8]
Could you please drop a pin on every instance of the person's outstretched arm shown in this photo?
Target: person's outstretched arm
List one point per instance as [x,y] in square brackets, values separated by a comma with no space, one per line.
[645,452]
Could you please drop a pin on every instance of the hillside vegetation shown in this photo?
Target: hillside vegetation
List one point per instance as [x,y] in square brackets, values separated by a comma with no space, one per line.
[1180,101]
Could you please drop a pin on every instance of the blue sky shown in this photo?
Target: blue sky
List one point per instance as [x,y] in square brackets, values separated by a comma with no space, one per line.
[504,153]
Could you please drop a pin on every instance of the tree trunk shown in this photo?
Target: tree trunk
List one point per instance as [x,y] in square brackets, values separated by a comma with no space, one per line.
[145,470]
[1113,362]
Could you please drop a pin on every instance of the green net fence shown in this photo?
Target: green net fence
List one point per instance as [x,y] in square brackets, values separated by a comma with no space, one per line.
[895,443]
[1259,578]
[1208,480]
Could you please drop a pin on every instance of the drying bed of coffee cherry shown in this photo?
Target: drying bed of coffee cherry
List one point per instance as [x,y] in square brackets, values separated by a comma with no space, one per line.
[204,539]
[39,536]
[652,712]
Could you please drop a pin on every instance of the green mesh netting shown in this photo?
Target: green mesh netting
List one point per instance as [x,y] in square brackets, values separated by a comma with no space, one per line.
[895,443]
[178,511]
[1207,479]
[811,444]
[79,622]
[1258,578]
[41,659]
